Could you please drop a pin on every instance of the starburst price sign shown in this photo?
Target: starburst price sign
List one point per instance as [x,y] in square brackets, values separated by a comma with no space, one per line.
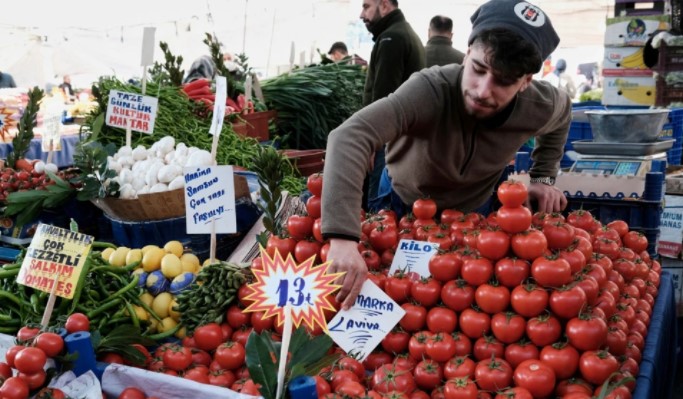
[304,286]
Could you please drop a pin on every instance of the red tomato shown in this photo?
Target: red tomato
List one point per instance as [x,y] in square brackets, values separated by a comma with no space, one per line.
[520,351]
[426,291]
[463,345]
[560,235]
[428,374]
[573,385]
[398,287]
[508,327]
[424,208]
[396,341]
[457,295]
[313,206]
[440,347]
[208,337]
[582,219]
[562,358]
[512,193]
[314,183]
[230,355]
[543,330]
[441,320]
[516,392]
[493,374]
[474,324]
[300,227]
[636,241]
[349,363]
[5,371]
[30,360]
[513,219]
[460,366]
[529,244]
[260,323]
[551,271]
[575,258]
[377,359]
[460,388]
[34,380]
[236,318]
[222,378]
[492,299]
[448,216]
[606,247]
[493,243]
[529,300]
[567,302]
[50,393]
[597,366]
[388,378]
[306,249]
[111,357]
[487,347]
[417,345]
[177,358]
[132,393]
[477,271]
[351,389]
[536,376]
[52,344]
[511,272]
[445,266]
[26,333]
[415,317]
[283,246]
[77,322]
[322,387]
[383,237]
[586,333]
[14,388]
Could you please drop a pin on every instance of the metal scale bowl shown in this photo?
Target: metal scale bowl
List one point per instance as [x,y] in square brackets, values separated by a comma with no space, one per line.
[625,142]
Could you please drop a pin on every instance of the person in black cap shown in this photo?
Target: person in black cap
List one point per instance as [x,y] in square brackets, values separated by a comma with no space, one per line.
[450,132]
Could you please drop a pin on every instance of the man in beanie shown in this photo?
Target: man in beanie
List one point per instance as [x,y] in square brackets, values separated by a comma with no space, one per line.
[450,131]
[397,53]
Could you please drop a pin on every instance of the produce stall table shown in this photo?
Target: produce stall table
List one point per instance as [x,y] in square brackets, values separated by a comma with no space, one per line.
[62,158]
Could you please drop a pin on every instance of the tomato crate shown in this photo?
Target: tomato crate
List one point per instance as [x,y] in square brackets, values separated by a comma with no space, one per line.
[641,215]
[670,58]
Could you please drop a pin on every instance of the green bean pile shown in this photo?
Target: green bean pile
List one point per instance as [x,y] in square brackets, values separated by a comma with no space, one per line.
[311,102]
[105,293]
[209,297]
[177,117]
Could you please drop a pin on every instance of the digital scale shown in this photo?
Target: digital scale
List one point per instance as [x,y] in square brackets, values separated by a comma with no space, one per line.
[619,159]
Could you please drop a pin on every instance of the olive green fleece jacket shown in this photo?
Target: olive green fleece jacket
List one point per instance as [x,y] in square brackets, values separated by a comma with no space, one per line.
[434,148]
[439,51]
[397,53]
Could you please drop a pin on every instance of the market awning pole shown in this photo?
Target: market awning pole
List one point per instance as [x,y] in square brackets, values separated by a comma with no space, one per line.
[244,32]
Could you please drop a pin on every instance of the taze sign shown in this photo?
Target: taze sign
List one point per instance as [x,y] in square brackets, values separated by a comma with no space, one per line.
[55,255]
[304,286]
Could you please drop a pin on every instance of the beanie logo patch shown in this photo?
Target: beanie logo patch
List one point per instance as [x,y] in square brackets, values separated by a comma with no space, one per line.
[530,14]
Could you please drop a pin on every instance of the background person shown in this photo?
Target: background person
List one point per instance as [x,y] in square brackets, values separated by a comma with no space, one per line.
[561,79]
[450,132]
[439,48]
[6,81]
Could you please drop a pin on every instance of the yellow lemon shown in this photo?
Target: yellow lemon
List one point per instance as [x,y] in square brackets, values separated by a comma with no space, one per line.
[153,324]
[141,313]
[174,247]
[190,258]
[118,257]
[147,298]
[147,248]
[171,266]
[189,266]
[151,260]
[181,333]
[107,253]
[174,314]
[134,255]
[166,324]
[161,303]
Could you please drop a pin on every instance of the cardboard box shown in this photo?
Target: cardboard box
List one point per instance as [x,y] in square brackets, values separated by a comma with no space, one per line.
[634,30]
[630,58]
[157,206]
[674,180]
[675,267]
[627,87]
[671,227]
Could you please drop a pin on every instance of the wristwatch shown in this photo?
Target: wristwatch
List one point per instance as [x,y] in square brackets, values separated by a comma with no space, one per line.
[547,180]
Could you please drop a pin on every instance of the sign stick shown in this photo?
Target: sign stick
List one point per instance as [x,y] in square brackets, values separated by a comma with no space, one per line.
[49,153]
[212,242]
[284,349]
[144,79]
[128,134]
[45,322]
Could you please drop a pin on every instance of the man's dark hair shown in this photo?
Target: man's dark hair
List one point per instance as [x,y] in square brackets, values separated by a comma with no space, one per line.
[441,24]
[394,2]
[508,53]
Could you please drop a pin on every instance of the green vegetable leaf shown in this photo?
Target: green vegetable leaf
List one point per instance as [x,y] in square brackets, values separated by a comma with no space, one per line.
[262,363]
[306,351]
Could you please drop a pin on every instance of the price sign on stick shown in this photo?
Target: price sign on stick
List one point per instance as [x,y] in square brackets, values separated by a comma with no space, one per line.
[131,111]
[55,258]
[210,198]
[51,141]
[413,258]
[147,57]
[361,328]
[304,286]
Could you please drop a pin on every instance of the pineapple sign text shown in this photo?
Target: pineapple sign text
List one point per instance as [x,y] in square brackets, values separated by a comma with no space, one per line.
[131,110]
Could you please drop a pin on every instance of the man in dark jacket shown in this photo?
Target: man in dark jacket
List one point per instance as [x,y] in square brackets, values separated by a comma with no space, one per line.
[6,80]
[397,53]
[439,49]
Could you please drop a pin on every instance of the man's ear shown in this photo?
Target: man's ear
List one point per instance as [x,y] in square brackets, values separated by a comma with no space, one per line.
[526,81]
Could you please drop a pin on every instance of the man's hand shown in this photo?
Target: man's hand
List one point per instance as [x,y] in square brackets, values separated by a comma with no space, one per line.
[549,198]
[346,258]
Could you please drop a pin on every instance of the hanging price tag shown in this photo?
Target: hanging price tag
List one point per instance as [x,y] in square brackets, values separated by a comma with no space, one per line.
[304,286]
[413,257]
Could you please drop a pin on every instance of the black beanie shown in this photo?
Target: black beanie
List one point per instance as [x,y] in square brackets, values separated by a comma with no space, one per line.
[520,17]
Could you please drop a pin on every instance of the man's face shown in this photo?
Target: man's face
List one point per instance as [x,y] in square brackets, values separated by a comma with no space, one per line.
[371,13]
[337,55]
[485,92]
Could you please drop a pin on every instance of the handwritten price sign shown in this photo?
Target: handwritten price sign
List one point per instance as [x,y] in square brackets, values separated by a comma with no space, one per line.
[304,286]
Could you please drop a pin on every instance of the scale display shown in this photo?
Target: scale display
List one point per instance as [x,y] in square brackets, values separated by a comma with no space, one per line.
[607,167]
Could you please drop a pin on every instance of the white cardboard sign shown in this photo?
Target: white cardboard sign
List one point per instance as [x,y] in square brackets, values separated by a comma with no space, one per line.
[52,123]
[413,257]
[219,105]
[210,196]
[131,109]
[147,57]
[671,227]
[361,328]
